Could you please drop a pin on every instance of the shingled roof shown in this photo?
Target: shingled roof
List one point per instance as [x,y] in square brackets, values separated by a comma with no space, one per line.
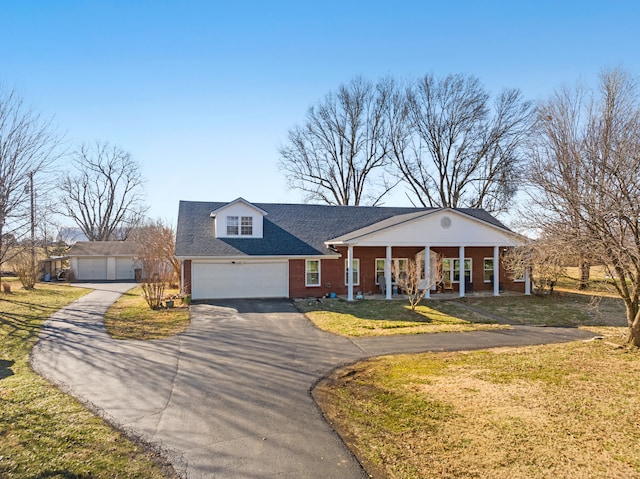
[289,229]
[104,248]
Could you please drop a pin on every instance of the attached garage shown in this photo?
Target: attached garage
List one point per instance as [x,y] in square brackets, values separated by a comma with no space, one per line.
[240,279]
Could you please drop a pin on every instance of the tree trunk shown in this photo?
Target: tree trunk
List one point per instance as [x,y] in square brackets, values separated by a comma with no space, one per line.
[633,319]
[584,273]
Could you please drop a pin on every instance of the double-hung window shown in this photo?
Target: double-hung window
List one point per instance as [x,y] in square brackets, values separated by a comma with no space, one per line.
[488,270]
[232,226]
[239,225]
[399,267]
[312,272]
[355,273]
[246,225]
[467,270]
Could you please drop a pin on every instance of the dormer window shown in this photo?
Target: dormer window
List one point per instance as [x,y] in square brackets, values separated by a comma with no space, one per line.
[238,219]
[232,226]
[240,225]
[246,225]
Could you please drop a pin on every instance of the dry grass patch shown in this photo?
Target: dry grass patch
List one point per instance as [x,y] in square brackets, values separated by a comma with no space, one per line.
[131,318]
[43,432]
[563,309]
[382,318]
[538,412]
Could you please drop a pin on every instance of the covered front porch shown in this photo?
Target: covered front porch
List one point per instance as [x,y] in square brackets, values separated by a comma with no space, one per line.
[445,272]
[455,252]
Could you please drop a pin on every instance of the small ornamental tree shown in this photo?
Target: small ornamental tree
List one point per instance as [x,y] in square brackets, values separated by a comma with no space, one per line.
[156,275]
[413,283]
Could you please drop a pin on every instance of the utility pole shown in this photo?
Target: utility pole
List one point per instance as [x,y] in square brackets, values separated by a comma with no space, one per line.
[33,222]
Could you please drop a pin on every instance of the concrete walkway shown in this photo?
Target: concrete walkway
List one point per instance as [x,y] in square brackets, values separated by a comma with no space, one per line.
[230,397]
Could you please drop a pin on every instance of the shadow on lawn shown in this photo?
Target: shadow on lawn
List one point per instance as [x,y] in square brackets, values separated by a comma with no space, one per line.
[5,368]
[370,309]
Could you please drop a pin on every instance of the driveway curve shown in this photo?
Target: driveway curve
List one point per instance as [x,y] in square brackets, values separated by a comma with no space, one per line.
[230,397]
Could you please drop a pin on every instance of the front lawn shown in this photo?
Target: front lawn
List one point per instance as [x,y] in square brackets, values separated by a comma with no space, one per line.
[379,317]
[567,410]
[43,432]
[131,318]
[561,309]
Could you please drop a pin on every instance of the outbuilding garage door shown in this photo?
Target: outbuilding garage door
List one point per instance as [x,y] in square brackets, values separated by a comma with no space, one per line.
[240,280]
[92,269]
[124,269]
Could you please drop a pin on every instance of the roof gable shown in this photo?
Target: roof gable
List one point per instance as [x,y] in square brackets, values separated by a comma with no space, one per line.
[238,201]
[437,227]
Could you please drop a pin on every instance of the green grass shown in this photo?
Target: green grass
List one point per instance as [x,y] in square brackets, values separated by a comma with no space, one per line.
[131,318]
[43,432]
[380,317]
[567,410]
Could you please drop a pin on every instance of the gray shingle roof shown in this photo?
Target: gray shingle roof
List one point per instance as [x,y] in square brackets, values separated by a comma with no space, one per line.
[289,229]
[104,248]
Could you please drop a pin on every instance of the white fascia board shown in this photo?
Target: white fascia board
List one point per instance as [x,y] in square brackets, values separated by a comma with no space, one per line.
[266,258]
[356,238]
[236,201]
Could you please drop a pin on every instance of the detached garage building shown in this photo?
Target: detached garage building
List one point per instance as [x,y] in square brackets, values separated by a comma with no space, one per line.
[104,260]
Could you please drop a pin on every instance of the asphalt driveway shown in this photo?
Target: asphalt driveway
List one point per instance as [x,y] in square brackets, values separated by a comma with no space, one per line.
[230,397]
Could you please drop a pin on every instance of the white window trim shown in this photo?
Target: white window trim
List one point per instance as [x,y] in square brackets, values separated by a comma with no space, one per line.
[453,269]
[484,270]
[393,261]
[306,273]
[356,267]
[250,225]
[237,225]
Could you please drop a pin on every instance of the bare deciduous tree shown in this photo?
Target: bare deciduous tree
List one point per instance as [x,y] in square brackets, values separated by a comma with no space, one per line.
[452,148]
[157,241]
[545,260]
[105,196]
[25,268]
[338,155]
[412,282]
[29,145]
[586,170]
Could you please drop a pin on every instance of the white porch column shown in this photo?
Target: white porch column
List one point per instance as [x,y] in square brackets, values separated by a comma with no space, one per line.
[427,271]
[181,275]
[527,281]
[349,273]
[387,273]
[461,272]
[496,270]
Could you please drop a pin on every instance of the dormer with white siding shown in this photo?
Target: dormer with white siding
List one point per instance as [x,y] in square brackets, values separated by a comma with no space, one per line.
[238,219]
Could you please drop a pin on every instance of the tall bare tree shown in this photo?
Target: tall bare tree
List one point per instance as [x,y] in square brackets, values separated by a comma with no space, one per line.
[453,148]
[587,172]
[338,155]
[105,195]
[29,145]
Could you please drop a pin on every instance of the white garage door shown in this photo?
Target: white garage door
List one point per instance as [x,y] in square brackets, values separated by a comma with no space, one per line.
[92,269]
[240,280]
[124,268]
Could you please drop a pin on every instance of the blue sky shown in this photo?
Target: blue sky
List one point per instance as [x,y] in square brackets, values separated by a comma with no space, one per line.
[202,93]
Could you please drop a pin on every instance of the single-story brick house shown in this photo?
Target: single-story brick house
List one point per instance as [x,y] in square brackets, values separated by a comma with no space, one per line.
[245,250]
[103,260]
